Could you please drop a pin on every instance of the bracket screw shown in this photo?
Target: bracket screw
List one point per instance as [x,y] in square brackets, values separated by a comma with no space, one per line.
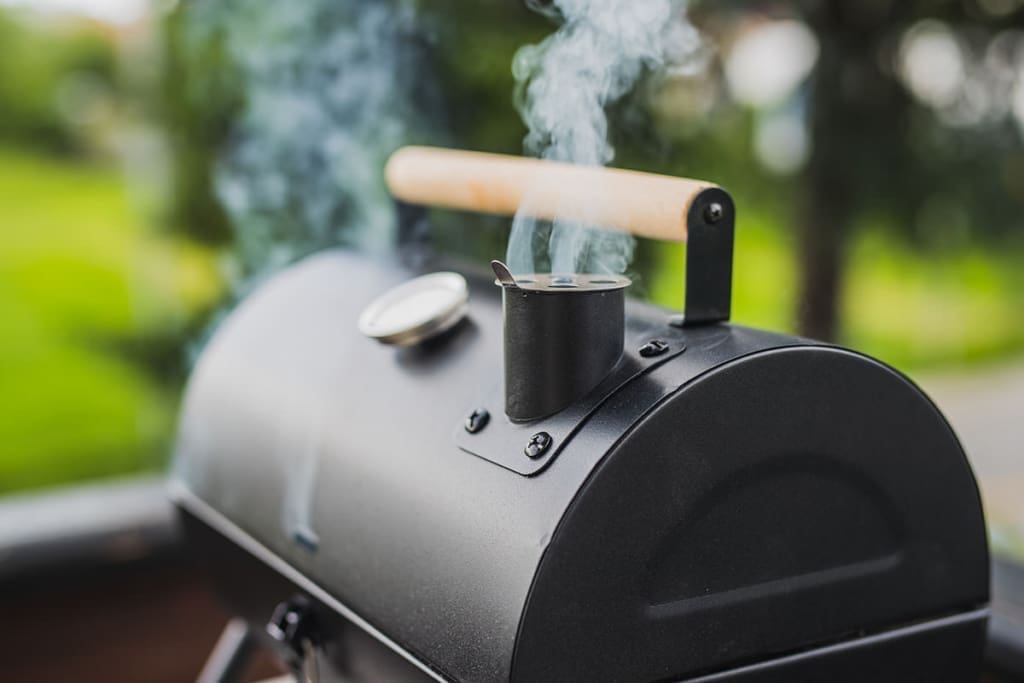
[538,445]
[477,420]
[653,348]
[292,626]
[713,212]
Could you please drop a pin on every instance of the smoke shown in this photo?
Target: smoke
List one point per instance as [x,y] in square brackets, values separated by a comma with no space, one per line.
[564,86]
[330,89]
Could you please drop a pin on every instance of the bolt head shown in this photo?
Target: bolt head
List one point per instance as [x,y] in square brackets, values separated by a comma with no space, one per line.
[653,348]
[538,445]
[713,212]
[477,420]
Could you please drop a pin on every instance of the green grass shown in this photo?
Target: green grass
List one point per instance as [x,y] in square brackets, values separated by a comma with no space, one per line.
[910,309]
[950,308]
[80,279]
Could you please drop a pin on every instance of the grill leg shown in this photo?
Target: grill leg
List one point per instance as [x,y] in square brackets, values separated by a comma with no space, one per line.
[230,655]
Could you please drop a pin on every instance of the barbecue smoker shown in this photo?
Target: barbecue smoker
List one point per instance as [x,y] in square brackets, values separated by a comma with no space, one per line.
[535,479]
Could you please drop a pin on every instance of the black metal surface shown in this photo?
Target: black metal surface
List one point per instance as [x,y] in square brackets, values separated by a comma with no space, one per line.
[941,651]
[559,345]
[752,497]
[293,629]
[503,440]
[783,508]
[289,386]
[1005,651]
[709,246]
[245,578]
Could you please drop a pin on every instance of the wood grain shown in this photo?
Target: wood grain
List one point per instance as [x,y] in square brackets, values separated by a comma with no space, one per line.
[644,204]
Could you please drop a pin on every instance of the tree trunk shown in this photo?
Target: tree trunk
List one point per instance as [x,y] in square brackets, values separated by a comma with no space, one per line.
[824,216]
[823,224]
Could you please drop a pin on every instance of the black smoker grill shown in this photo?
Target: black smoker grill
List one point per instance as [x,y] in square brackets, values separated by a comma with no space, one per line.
[643,498]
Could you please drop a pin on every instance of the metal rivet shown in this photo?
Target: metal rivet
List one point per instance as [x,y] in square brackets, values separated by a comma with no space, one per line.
[713,212]
[538,445]
[477,420]
[655,347]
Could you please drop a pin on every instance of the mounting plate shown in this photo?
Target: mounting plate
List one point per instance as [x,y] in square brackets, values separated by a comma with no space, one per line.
[503,441]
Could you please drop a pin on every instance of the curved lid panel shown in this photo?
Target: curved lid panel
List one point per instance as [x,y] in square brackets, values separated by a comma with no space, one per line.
[788,499]
[337,454]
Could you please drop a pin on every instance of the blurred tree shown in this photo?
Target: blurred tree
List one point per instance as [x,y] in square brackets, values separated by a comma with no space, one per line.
[50,76]
[858,121]
[468,60]
[201,96]
[929,171]
[878,153]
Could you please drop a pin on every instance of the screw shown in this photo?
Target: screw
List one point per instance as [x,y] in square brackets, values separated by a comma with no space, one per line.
[292,626]
[653,348]
[477,420]
[713,212]
[538,445]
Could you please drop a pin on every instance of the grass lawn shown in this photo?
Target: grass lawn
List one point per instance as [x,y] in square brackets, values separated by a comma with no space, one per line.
[81,280]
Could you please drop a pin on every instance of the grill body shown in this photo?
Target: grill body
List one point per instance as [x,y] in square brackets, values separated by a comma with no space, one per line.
[749,506]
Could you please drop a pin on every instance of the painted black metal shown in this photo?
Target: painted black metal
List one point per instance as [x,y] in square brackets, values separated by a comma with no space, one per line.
[753,498]
[709,246]
[940,651]
[1005,647]
[293,628]
[559,345]
[251,588]
[775,503]
[502,442]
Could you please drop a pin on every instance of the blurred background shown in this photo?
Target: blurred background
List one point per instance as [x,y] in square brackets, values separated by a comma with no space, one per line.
[158,159]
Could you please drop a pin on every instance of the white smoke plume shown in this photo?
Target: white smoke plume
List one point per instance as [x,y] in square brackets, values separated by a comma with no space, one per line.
[564,86]
[330,90]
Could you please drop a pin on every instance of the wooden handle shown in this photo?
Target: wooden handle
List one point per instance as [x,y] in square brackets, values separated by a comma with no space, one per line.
[644,204]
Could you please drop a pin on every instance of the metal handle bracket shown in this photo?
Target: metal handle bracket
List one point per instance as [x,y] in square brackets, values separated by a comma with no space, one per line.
[710,225]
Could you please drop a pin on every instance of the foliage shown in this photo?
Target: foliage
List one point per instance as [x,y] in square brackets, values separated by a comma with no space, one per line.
[99,306]
[911,309]
[45,74]
[84,292]
[199,99]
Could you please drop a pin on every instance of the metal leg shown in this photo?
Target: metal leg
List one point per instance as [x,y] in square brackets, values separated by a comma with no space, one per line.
[230,655]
